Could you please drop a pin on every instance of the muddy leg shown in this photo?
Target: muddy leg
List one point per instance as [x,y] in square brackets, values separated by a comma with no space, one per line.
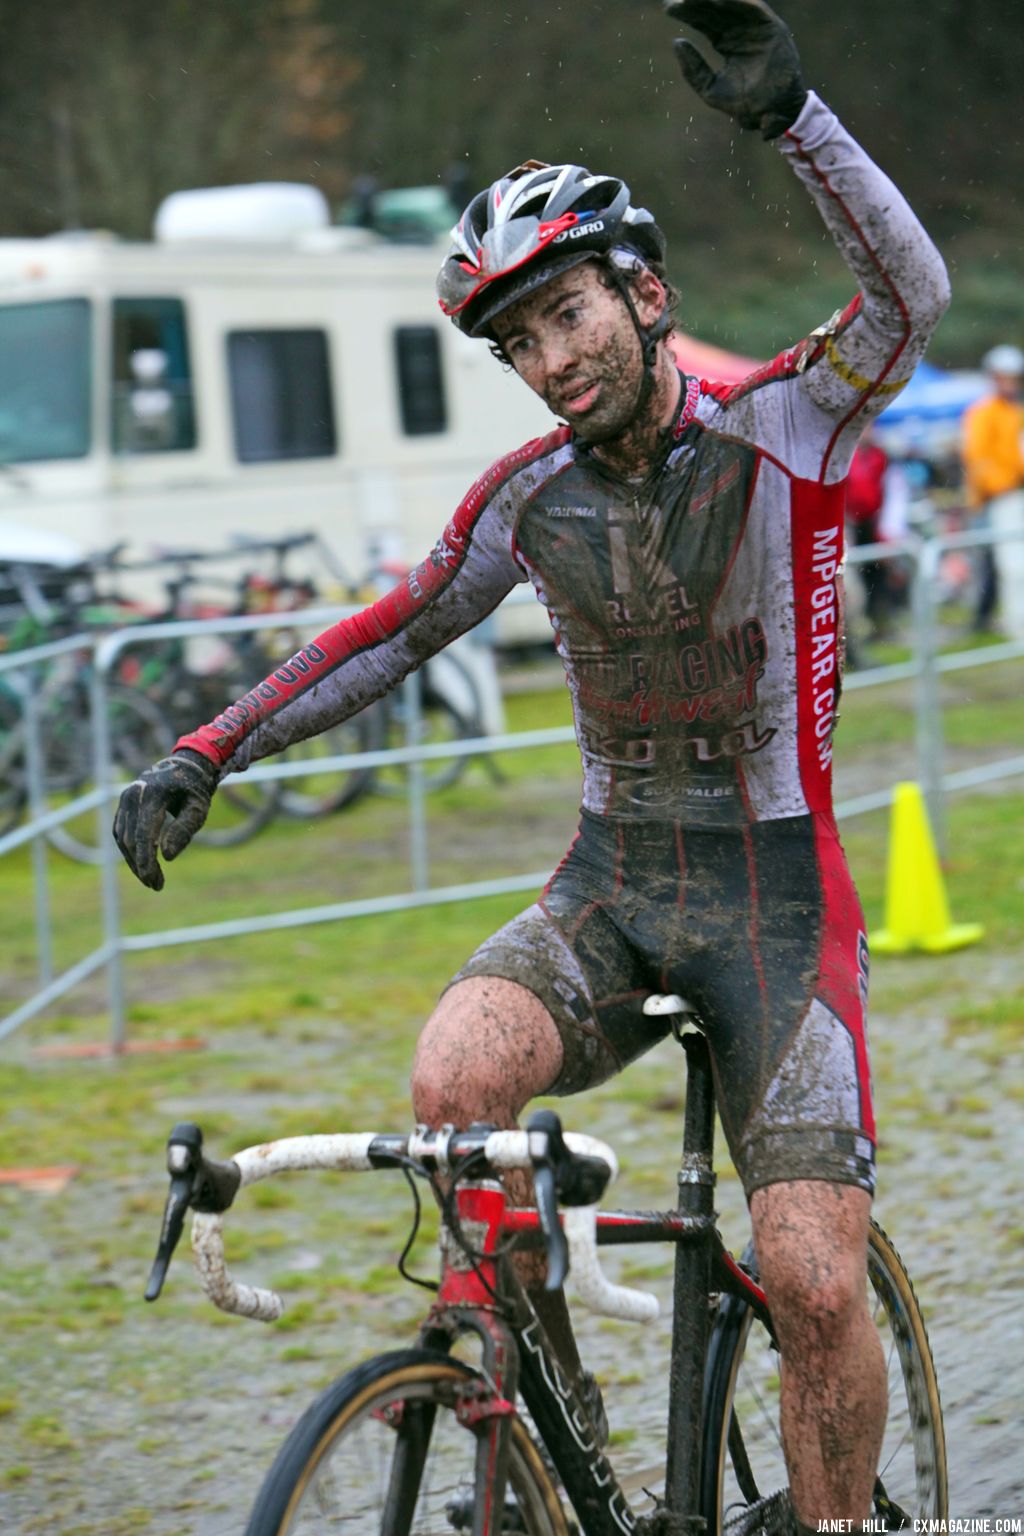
[488,1048]
[811,1242]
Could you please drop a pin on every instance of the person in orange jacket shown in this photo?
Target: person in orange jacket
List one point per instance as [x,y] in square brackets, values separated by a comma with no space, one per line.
[993,458]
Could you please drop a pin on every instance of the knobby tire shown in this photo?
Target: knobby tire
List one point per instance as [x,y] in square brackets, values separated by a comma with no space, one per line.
[354,1442]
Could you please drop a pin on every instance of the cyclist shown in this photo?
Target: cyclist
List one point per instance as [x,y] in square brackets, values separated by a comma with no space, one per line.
[686,538]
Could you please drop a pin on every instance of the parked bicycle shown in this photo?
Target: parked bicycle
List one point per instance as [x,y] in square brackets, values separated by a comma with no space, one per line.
[421,1441]
[59,691]
[158,692]
[190,680]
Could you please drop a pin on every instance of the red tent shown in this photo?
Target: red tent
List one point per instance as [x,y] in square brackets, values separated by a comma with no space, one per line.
[709,362]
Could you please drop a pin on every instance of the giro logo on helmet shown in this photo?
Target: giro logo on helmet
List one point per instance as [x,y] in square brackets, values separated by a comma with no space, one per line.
[593,228]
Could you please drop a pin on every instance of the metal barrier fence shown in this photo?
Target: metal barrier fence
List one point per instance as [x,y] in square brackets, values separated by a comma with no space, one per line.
[925,669]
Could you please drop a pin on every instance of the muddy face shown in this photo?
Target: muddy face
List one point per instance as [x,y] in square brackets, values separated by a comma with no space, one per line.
[574,343]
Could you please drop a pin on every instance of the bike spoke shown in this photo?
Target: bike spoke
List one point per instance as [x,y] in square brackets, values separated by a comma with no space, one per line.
[767,1414]
[895,1452]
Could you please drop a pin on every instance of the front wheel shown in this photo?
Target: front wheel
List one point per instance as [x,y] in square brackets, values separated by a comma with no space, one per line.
[382,1450]
[744,1487]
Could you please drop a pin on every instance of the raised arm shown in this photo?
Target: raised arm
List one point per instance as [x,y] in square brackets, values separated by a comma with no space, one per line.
[866,353]
[847,370]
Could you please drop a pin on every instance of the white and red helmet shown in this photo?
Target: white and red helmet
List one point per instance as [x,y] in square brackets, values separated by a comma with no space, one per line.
[529,226]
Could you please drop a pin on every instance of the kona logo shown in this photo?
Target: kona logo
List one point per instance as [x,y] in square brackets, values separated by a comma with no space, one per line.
[579,231]
[601,1474]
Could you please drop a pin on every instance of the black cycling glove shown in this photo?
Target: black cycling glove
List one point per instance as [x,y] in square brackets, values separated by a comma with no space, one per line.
[759,83]
[180,786]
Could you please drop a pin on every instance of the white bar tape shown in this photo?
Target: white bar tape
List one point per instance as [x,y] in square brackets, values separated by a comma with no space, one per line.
[511,1149]
[595,1290]
[293,1152]
[228,1294]
[342,1152]
[508,1149]
[504,1149]
[660,1003]
[589,1146]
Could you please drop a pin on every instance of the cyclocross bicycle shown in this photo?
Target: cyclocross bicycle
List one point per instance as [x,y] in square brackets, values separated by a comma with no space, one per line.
[421,1443]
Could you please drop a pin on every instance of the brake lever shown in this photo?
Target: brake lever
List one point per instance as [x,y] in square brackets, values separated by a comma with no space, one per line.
[547,1149]
[196,1181]
[184,1154]
[579,1180]
[555,1245]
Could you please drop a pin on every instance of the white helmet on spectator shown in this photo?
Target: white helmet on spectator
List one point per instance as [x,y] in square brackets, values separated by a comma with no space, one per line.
[1004,359]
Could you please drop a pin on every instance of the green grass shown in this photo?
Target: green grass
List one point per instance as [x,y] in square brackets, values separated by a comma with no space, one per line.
[373,968]
[363,987]
[314,1029]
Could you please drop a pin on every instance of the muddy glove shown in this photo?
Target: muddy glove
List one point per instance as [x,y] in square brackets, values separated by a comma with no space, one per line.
[180,786]
[759,83]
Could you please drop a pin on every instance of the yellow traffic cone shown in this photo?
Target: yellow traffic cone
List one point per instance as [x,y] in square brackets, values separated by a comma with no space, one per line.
[916,910]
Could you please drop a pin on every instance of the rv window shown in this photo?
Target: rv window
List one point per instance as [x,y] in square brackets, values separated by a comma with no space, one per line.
[420,381]
[281,395]
[152,408]
[45,374]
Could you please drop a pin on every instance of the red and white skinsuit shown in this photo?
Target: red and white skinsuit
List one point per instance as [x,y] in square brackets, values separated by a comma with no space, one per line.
[698,620]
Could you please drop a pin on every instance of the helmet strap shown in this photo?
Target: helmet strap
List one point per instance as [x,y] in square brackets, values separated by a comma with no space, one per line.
[649,335]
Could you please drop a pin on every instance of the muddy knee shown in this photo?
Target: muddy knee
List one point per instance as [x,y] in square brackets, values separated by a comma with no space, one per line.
[811,1245]
[814,1303]
[489,1047]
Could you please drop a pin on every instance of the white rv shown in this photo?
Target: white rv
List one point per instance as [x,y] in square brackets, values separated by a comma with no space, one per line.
[251,371]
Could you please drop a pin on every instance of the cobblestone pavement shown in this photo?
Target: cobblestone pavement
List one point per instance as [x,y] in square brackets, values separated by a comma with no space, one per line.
[169,1420]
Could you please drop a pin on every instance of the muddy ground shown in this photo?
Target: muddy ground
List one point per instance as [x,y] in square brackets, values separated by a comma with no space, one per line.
[163,1419]
[118,1418]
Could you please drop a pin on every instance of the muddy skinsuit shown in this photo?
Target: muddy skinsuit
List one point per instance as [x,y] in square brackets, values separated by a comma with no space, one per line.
[696,615]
